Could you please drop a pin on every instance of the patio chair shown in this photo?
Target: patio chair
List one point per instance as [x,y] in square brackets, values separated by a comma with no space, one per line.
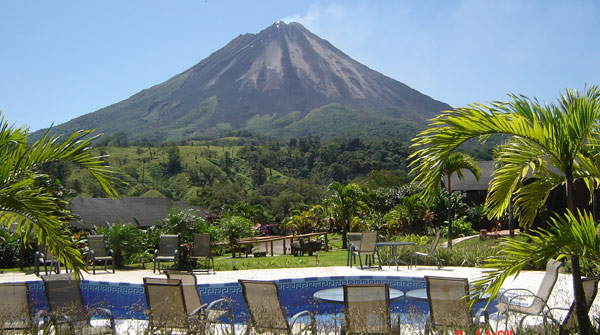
[14,310]
[212,312]
[201,252]
[448,306]
[367,309]
[524,301]
[99,252]
[431,252]
[167,308]
[265,311]
[67,310]
[43,256]
[353,239]
[565,319]
[366,247]
[167,251]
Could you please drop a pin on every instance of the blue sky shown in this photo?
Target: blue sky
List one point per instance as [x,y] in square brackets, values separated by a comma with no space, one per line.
[63,59]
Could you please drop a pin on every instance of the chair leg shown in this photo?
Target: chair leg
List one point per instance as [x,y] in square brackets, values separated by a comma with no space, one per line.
[360,261]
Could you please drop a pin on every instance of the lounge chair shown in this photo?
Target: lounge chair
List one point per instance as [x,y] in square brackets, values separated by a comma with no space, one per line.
[167,251]
[366,247]
[565,319]
[448,306]
[167,308]
[14,310]
[67,310]
[201,252]
[99,252]
[265,311]
[43,256]
[431,252]
[353,239]
[367,309]
[212,312]
[512,300]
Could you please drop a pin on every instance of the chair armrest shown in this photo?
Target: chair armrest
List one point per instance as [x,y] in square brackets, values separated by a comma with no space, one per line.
[501,297]
[110,252]
[198,310]
[313,323]
[155,253]
[222,304]
[41,314]
[513,299]
[104,311]
[486,316]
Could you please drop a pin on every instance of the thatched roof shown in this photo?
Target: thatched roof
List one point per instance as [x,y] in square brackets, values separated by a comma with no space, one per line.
[469,183]
[90,212]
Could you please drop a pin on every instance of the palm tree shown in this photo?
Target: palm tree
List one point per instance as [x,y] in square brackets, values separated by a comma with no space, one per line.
[548,145]
[454,163]
[28,202]
[346,201]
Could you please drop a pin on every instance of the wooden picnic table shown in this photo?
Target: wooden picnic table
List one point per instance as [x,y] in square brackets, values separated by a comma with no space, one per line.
[268,241]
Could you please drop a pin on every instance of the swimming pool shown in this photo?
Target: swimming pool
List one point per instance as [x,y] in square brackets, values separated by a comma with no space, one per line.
[127,300]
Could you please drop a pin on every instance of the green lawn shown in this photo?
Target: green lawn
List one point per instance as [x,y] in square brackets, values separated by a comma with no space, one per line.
[468,253]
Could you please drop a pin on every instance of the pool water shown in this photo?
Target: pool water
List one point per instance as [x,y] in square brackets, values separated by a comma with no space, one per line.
[127,301]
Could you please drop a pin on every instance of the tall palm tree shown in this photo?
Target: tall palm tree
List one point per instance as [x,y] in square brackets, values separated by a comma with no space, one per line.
[548,145]
[346,201]
[24,200]
[454,163]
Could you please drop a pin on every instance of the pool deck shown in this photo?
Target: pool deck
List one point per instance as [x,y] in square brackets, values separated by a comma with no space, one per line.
[527,279]
[561,295]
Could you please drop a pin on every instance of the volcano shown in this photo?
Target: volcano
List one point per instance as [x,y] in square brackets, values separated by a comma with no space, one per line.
[282,82]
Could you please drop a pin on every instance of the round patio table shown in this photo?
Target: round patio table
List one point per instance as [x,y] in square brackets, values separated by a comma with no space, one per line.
[336,295]
[421,295]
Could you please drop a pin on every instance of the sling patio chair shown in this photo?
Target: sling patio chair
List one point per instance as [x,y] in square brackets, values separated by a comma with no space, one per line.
[167,252]
[448,300]
[212,312]
[67,310]
[353,239]
[99,252]
[265,311]
[366,246]
[524,301]
[43,256]
[15,316]
[201,252]
[565,319]
[367,309]
[431,252]
[167,308]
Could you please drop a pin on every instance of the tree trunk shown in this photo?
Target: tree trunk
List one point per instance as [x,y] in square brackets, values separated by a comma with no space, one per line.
[344,234]
[511,228]
[449,212]
[583,319]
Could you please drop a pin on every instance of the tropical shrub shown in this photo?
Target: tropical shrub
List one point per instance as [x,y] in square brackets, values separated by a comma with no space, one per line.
[124,239]
[184,223]
[9,249]
[232,228]
[460,227]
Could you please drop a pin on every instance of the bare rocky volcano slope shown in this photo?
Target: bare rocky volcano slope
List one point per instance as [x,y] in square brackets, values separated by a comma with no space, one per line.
[284,81]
